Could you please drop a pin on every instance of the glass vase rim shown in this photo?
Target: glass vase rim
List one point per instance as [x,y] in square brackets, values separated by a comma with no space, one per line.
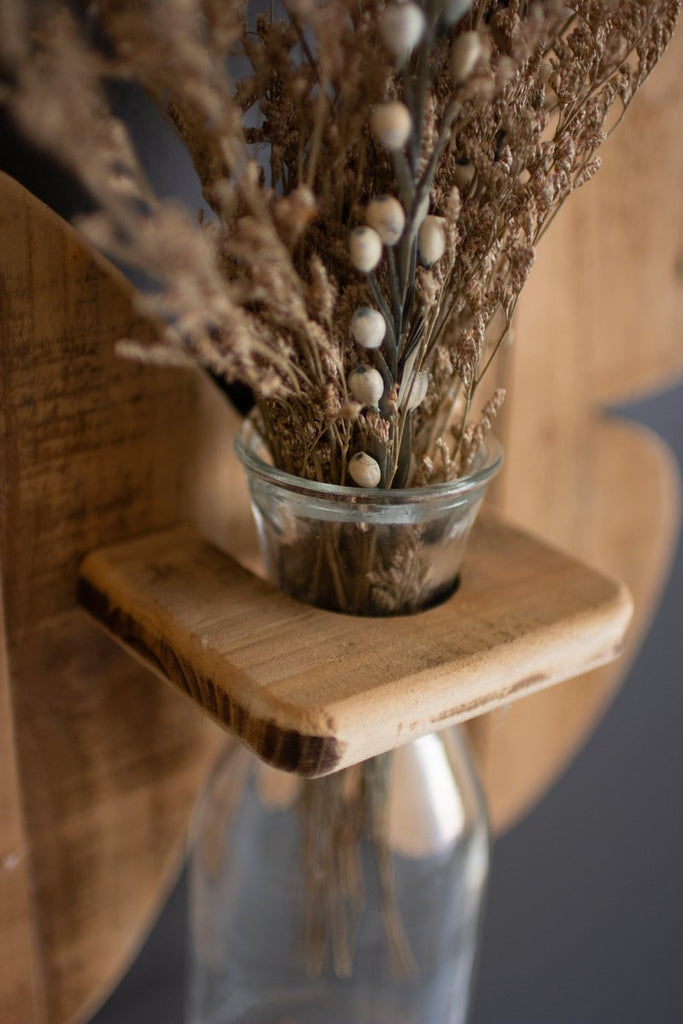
[473,480]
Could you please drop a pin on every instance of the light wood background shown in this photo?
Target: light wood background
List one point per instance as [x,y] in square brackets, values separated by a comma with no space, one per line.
[601,323]
[99,762]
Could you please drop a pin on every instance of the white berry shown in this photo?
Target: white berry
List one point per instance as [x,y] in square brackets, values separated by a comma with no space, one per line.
[365,249]
[386,215]
[392,124]
[467,51]
[364,470]
[368,327]
[366,385]
[402,26]
[431,239]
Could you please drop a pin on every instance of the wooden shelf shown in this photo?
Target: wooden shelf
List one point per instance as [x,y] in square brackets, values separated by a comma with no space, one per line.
[311,691]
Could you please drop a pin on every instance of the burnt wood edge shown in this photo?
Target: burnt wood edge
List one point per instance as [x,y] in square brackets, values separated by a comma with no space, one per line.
[289,750]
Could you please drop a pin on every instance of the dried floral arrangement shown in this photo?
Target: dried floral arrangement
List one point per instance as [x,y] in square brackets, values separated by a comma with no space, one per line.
[380,175]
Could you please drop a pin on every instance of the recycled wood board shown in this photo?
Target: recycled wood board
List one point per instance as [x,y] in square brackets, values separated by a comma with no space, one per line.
[600,323]
[311,691]
[91,449]
[21,995]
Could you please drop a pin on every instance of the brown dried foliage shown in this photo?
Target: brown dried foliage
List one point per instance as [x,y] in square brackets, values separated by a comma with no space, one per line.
[276,117]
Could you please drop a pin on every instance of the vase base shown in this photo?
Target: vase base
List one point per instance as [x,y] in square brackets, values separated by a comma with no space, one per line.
[526,616]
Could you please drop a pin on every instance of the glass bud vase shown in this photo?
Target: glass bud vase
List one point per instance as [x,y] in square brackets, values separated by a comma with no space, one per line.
[354,898]
[362,551]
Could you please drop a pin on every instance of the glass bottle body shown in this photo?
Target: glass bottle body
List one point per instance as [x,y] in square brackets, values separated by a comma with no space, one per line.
[373,919]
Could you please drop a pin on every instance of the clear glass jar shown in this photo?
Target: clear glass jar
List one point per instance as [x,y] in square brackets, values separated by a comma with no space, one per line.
[355,898]
[338,900]
[363,551]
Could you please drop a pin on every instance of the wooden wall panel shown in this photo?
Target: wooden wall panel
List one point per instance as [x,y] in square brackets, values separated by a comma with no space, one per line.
[91,449]
[601,321]
[21,995]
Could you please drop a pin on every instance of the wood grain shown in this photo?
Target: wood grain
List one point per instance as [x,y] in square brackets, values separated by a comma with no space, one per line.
[312,691]
[108,760]
[21,986]
[601,321]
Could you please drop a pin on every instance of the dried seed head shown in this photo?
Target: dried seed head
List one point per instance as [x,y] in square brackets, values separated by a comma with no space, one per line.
[366,385]
[386,215]
[466,52]
[463,174]
[351,410]
[392,124]
[365,249]
[364,470]
[453,10]
[368,327]
[416,395]
[506,71]
[431,239]
[454,204]
[401,27]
